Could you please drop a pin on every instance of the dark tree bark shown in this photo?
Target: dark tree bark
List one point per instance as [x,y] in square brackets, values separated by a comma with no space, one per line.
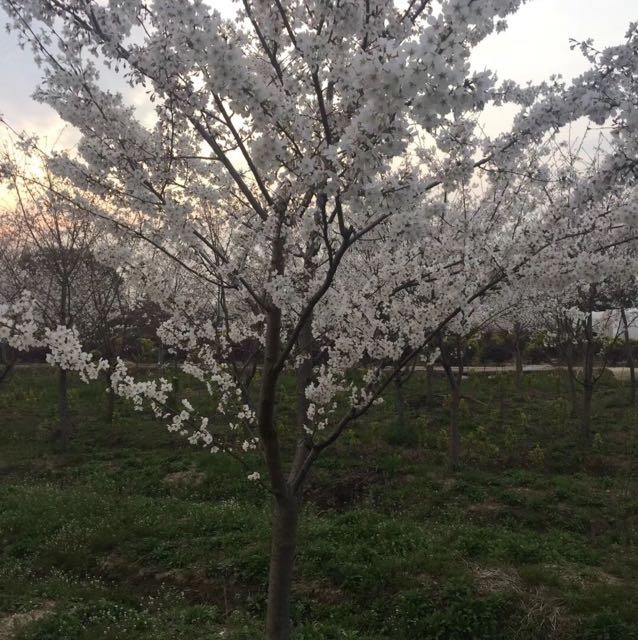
[404,434]
[62,435]
[571,375]
[629,354]
[282,562]
[501,401]
[429,379]
[454,380]
[7,361]
[588,368]
[286,508]
[399,404]
[518,355]
[455,431]
[173,397]
[110,397]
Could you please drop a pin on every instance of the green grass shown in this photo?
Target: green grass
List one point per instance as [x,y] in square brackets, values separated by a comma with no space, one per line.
[133,534]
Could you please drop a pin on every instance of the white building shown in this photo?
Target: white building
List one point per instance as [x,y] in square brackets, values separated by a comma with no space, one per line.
[609,323]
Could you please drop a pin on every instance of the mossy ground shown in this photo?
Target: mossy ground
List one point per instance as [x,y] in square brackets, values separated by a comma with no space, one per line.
[133,534]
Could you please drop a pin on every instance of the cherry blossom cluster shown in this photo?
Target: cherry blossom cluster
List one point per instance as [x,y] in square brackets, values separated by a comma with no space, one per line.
[21,329]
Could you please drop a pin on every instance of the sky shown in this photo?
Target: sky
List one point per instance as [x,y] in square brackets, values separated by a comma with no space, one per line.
[535,46]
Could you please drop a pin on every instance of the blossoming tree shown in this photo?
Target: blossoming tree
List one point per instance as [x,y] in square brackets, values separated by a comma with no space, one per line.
[272,159]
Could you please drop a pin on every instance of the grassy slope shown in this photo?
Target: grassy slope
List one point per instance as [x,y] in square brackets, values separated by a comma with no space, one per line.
[133,534]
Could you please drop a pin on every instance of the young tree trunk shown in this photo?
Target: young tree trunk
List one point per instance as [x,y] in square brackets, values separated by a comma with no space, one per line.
[286,506]
[518,356]
[173,397]
[110,397]
[429,384]
[7,361]
[399,403]
[571,374]
[455,382]
[501,401]
[63,433]
[110,406]
[454,432]
[585,422]
[588,369]
[629,354]
[282,560]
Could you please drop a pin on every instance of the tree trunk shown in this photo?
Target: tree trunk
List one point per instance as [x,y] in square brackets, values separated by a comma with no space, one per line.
[63,433]
[429,375]
[172,400]
[399,403]
[501,401]
[110,406]
[629,354]
[285,514]
[303,380]
[519,368]
[282,560]
[455,381]
[7,361]
[588,370]
[585,422]
[454,432]
[518,356]
[571,374]
[110,397]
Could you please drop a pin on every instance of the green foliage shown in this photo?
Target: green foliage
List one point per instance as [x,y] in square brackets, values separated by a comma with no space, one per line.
[99,619]
[537,455]
[607,626]
[496,347]
[536,349]
[133,534]
[455,613]
[148,350]
[615,350]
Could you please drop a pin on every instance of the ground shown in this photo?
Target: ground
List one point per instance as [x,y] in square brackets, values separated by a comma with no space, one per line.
[133,534]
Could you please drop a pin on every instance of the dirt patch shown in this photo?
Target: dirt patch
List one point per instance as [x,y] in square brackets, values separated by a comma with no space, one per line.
[10,625]
[188,477]
[528,493]
[606,578]
[224,591]
[487,508]
[497,580]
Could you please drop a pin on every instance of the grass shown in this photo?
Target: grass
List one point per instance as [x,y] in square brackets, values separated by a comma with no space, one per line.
[133,534]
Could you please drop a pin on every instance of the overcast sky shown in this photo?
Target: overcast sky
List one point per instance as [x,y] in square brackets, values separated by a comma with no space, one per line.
[535,46]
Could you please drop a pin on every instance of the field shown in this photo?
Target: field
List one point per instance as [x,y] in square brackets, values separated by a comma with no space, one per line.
[134,534]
